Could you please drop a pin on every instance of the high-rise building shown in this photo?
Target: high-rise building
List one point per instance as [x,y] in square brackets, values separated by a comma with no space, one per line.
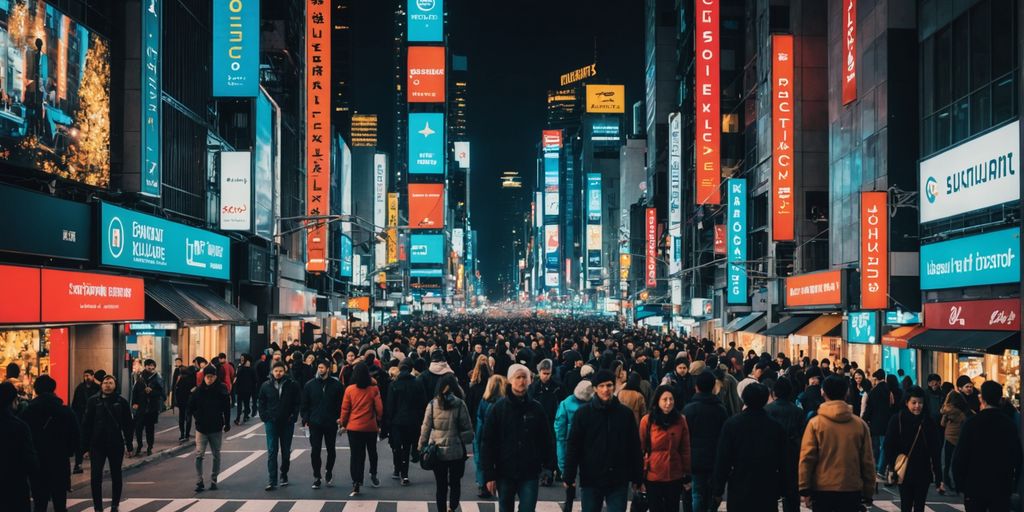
[341,66]
[399,165]
[364,130]
[459,98]
[563,107]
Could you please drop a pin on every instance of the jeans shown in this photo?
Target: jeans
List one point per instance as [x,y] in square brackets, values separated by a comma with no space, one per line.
[403,441]
[214,441]
[525,489]
[947,463]
[145,421]
[701,492]
[835,502]
[987,503]
[279,435]
[184,422]
[242,403]
[326,436]
[448,476]
[913,496]
[361,444]
[664,496]
[878,450]
[98,455]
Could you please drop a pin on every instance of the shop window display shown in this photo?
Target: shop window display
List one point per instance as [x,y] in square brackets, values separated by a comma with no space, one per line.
[24,353]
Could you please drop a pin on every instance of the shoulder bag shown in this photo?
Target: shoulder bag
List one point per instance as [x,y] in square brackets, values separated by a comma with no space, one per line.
[639,503]
[428,455]
[903,459]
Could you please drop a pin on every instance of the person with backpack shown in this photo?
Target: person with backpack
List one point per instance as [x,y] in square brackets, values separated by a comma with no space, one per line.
[912,447]
[361,413]
[955,412]
[319,408]
[56,435]
[665,441]
[495,391]
[210,405]
[447,429]
[107,432]
[581,396]
[403,414]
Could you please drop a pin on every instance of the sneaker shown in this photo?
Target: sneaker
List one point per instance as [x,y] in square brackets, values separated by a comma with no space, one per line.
[330,479]
[395,476]
[405,482]
[149,451]
[316,483]
[270,487]
[213,486]
[374,481]
[77,470]
[284,480]
[355,491]
[200,487]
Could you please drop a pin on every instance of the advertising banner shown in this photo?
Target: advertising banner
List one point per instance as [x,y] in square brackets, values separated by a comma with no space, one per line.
[577,75]
[392,242]
[551,140]
[902,318]
[345,267]
[236,48]
[551,245]
[426,20]
[21,307]
[318,129]
[605,133]
[874,250]
[974,315]
[675,186]
[720,239]
[426,272]
[594,239]
[991,258]
[64,231]
[783,136]
[849,67]
[135,240]
[462,154]
[593,198]
[538,210]
[88,297]
[426,144]
[263,167]
[551,204]
[426,249]
[426,206]
[651,264]
[459,241]
[815,289]
[708,126]
[551,279]
[980,173]
[701,308]
[606,99]
[862,327]
[152,85]
[380,201]
[426,74]
[551,167]
[235,191]
[736,274]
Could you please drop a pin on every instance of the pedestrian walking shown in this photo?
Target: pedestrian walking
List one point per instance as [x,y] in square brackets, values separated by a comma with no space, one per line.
[784,411]
[107,431]
[495,391]
[320,408]
[633,397]
[665,441]
[447,426]
[17,453]
[183,381]
[913,435]
[280,397]
[403,414]
[244,387]
[517,443]
[877,414]
[955,412]
[148,397]
[210,405]
[581,396]
[437,369]
[604,445]
[705,416]
[750,456]
[56,436]
[837,469]
[361,413]
[987,462]
[83,392]
[681,381]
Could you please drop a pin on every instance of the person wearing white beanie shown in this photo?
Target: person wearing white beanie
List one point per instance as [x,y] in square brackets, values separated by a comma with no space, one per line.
[516,368]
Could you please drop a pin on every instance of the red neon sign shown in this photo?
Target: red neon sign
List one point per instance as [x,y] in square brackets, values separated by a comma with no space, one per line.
[850,51]
[709,120]
[874,250]
[782,138]
[652,248]
[318,130]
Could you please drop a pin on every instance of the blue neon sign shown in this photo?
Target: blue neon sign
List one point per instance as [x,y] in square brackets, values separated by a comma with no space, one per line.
[426,249]
[862,327]
[152,15]
[426,143]
[736,237]
[991,258]
[345,269]
[425,20]
[135,240]
[425,272]
[236,48]
[593,198]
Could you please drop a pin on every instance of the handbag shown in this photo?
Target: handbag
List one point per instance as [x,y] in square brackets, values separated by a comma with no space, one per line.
[903,459]
[428,455]
[639,502]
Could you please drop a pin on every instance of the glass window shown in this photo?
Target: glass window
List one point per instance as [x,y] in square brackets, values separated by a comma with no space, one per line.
[927,73]
[928,136]
[981,47]
[981,105]
[960,57]
[942,129]
[943,41]
[1002,100]
[961,121]
[1003,47]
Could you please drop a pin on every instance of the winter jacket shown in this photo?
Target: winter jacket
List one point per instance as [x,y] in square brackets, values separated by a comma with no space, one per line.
[429,378]
[245,381]
[18,454]
[279,401]
[705,416]
[107,424]
[750,460]
[83,392]
[683,388]
[835,454]
[548,394]
[987,460]
[149,403]
[810,400]
[517,441]
[791,417]
[482,411]
[226,375]
[362,409]
[55,433]
[211,407]
[634,400]
[184,383]
[926,459]
[666,450]
[448,426]
[933,401]
[604,445]
[405,403]
[729,397]
[474,395]
[563,423]
[952,422]
[879,409]
[321,402]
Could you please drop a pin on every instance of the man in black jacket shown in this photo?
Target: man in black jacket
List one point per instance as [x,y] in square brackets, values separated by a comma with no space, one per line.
[210,405]
[705,415]
[320,409]
[245,386]
[17,453]
[987,461]
[83,392]
[546,390]
[107,433]
[403,416]
[147,399]
[681,381]
[750,456]
[604,444]
[517,442]
[877,413]
[184,382]
[791,417]
[56,435]
[280,397]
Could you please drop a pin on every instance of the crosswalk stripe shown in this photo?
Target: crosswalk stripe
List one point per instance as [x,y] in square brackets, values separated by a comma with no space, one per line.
[296,453]
[465,506]
[308,506]
[887,506]
[246,431]
[176,505]
[207,505]
[421,506]
[132,503]
[236,467]
[549,506]
[257,506]
[360,506]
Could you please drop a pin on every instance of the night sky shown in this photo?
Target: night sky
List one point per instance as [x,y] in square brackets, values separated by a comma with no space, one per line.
[516,51]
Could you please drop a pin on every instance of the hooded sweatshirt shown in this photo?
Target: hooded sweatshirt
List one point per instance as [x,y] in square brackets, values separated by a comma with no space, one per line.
[835,454]
[429,378]
[583,393]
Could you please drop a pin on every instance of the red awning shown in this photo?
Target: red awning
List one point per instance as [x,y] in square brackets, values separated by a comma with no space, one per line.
[901,335]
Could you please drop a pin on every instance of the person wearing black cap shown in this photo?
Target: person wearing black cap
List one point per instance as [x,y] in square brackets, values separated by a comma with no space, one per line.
[750,456]
[107,432]
[320,409]
[55,433]
[604,445]
[705,416]
[17,453]
[210,405]
[811,398]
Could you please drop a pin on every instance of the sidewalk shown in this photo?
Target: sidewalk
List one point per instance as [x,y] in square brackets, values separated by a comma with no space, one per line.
[165,444]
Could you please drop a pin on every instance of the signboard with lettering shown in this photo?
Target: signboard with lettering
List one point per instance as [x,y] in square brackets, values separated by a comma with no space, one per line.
[720,236]
[862,327]
[783,139]
[675,186]
[426,20]
[152,85]
[318,130]
[991,258]
[815,289]
[426,143]
[849,64]
[236,48]
[900,317]
[426,249]
[974,315]
[651,271]
[64,231]
[708,126]
[426,80]
[736,271]
[606,99]
[21,307]
[235,191]
[89,297]
[874,250]
[577,75]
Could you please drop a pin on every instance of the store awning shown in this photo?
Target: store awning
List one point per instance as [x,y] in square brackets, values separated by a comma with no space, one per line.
[899,336]
[181,308]
[789,325]
[218,309]
[746,323]
[993,342]
[824,325]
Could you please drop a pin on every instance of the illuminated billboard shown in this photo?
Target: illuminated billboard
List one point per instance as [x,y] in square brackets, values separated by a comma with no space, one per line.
[425,20]
[426,74]
[708,126]
[318,130]
[606,99]
[426,143]
[737,242]
[783,135]
[426,206]
[874,250]
[426,249]
[236,48]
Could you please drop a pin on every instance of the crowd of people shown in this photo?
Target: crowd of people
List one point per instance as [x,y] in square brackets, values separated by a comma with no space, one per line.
[623,415]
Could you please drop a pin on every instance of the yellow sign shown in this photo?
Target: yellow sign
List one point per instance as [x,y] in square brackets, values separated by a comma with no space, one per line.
[392,243]
[580,74]
[606,99]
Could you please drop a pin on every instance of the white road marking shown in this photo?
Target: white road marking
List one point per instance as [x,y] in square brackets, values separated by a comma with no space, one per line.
[360,506]
[238,466]
[139,483]
[192,453]
[296,453]
[177,505]
[421,506]
[465,506]
[309,506]
[257,506]
[132,503]
[887,506]
[549,506]
[246,431]
[167,430]
[207,505]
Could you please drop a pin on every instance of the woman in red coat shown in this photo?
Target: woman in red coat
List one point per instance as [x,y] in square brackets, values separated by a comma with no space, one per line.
[361,413]
[665,440]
